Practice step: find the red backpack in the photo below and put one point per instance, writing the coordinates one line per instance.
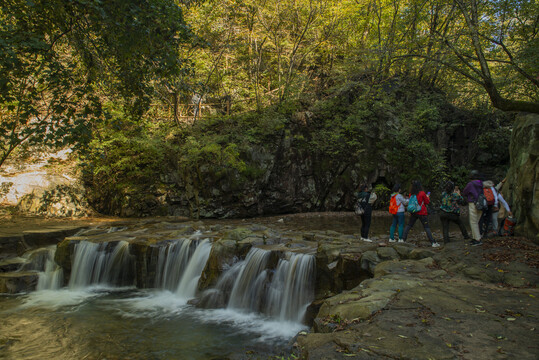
(393, 207)
(508, 226)
(489, 195)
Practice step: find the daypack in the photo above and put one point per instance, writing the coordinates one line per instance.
(359, 208)
(413, 205)
(508, 227)
(393, 207)
(481, 202)
(489, 195)
(361, 204)
(448, 205)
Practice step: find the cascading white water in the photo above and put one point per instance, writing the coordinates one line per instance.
(249, 285)
(292, 288)
(97, 264)
(180, 264)
(52, 278)
(284, 296)
(189, 282)
(171, 263)
(51, 275)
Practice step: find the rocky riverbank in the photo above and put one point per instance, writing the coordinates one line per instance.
(372, 300)
(458, 303)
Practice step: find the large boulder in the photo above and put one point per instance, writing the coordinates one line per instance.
(59, 201)
(223, 255)
(522, 187)
(411, 310)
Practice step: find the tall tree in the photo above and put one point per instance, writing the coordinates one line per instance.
(500, 34)
(491, 44)
(60, 59)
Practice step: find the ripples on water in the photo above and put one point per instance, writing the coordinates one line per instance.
(99, 323)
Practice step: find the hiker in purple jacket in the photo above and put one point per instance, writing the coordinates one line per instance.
(471, 193)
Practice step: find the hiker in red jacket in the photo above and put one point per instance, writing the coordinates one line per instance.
(423, 200)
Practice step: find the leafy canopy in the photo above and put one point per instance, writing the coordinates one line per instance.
(61, 59)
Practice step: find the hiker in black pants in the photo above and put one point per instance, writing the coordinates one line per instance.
(450, 210)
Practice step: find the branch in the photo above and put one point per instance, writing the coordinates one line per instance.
(511, 61)
(446, 64)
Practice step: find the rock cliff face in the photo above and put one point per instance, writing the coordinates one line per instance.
(289, 180)
(45, 185)
(522, 187)
(287, 175)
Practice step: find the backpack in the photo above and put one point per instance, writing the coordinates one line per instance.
(413, 205)
(361, 204)
(508, 228)
(393, 207)
(359, 208)
(447, 203)
(481, 202)
(489, 195)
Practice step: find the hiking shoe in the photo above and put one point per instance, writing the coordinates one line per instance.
(400, 240)
(392, 240)
(476, 243)
(366, 239)
(435, 245)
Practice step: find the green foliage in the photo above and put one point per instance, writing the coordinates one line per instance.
(356, 130)
(217, 158)
(384, 195)
(59, 58)
(123, 162)
(495, 141)
(346, 85)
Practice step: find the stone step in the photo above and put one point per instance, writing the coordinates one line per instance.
(18, 282)
(12, 264)
(16, 242)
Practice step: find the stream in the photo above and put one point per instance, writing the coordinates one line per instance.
(91, 319)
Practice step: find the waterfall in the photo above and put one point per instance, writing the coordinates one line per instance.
(283, 293)
(102, 264)
(180, 264)
(52, 278)
(249, 285)
(171, 263)
(189, 282)
(292, 288)
(51, 275)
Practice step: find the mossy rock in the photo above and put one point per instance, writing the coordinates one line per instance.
(403, 249)
(355, 305)
(238, 234)
(64, 252)
(369, 260)
(223, 254)
(420, 253)
(387, 253)
(404, 267)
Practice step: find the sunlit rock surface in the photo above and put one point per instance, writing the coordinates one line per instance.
(46, 185)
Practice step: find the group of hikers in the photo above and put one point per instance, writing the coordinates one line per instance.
(483, 199)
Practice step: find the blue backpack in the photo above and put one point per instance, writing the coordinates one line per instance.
(413, 205)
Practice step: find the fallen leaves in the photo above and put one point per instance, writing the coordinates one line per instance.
(503, 250)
